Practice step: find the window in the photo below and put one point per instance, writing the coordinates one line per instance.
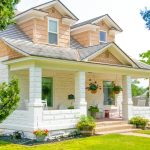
(53, 31)
(109, 96)
(102, 37)
(47, 90)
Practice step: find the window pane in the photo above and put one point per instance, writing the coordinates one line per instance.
(52, 26)
(102, 36)
(52, 38)
(47, 90)
(109, 97)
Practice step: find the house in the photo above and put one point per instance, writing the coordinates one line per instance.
(55, 58)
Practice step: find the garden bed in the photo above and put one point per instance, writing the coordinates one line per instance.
(32, 142)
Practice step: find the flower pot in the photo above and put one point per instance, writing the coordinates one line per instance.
(93, 114)
(116, 92)
(93, 91)
(40, 138)
(87, 132)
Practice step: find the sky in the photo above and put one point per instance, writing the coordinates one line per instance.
(126, 13)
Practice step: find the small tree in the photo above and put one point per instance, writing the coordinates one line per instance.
(7, 14)
(9, 98)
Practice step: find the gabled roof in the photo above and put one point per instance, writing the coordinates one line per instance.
(94, 20)
(56, 3)
(17, 40)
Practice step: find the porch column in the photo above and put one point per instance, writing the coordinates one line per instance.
(35, 96)
(149, 94)
(127, 104)
(80, 93)
(35, 85)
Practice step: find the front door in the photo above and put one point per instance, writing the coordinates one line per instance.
(47, 90)
(109, 97)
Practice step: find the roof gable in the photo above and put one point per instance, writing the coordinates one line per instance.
(108, 58)
(111, 54)
(106, 18)
(54, 3)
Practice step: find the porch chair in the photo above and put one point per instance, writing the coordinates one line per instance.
(44, 102)
(141, 102)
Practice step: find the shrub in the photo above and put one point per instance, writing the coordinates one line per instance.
(86, 123)
(139, 122)
(9, 98)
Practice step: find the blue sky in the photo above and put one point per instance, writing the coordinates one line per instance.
(135, 37)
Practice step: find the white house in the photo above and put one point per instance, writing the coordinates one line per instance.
(53, 58)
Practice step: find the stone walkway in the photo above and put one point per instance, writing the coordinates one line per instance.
(136, 134)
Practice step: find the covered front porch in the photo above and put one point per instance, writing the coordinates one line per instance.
(58, 80)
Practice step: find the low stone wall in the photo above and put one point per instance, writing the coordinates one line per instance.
(141, 111)
(60, 119)
(54, 120)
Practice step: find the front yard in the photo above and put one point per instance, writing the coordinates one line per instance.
(106, 142)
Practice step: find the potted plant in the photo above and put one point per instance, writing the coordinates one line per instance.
(117, 89)
(93, 87)
(139, 122)
(86, 125)
(40, 134)
(93, 110)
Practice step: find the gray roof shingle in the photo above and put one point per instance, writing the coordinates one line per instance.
(17, 39)
(86, 22)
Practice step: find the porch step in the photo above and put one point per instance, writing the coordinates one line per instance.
(116, 126)
(116, 131)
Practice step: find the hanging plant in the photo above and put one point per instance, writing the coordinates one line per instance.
(93, 87)
(117, 89)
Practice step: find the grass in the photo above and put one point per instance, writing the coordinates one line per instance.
(143, 131)
(106, 142)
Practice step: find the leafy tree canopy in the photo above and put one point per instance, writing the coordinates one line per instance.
(7, 12)
(9, 98)
(145, 57)
(136, 90)
(146, 16)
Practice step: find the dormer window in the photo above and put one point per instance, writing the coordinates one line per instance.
(52, 31)
(103, 37)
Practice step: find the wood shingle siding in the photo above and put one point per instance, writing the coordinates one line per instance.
(107, 57)
(7, 51)
(37, 29)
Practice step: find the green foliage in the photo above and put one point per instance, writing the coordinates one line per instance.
(71, 107)
(9, 98)
(145, 57)
(117, 89)
(146, 17)
(93, 109)
(139, 122)
(7, 12)
(86, 123)
(136, 90)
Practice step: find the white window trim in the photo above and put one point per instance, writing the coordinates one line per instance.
(57, 20)
(99, 36)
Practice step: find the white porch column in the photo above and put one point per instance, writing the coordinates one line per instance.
(127, 104)
(35, 85)
(80, 92)
(149, 91)
(35, 96)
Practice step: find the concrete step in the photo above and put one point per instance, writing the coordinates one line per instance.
(115, 131)
(113, 127)
(108, 123)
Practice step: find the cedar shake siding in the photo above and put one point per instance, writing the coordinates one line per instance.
(91, 38)
(37, 29)
(108, 58)
(7, 51)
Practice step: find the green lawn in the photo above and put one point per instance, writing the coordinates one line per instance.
(143, 131)
(106, 142)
